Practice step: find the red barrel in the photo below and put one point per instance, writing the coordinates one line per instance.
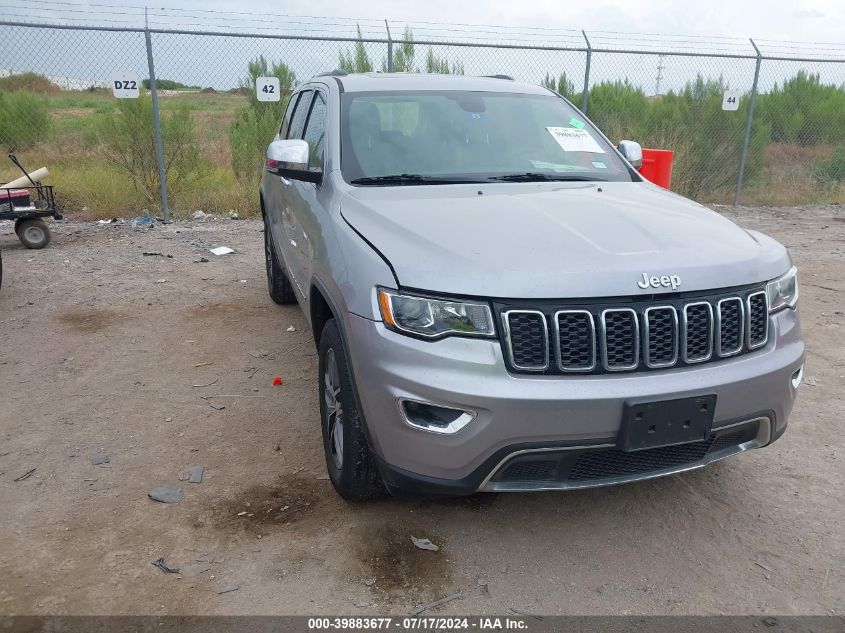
(657, 166)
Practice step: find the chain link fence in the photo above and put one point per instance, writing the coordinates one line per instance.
(200, 125)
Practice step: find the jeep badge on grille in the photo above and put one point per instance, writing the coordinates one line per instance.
(657, 282)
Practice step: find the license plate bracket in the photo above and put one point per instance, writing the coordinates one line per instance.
(665, 423)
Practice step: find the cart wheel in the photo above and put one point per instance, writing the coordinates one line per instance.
(33, 233)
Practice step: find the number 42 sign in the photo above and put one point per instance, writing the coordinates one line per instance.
(267, 88)
(730, 100)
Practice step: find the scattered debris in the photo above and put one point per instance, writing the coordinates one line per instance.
(152, 254)
(166, 494)
(195, 474)
(242, 514)
(761, 565)
(291, 329)
(222, 250)
(277, 447)
(199, 215)
(423, 607)
(810, 380)
(228, 589)
(204, 260)
(208, 384)
(26, 475)
(64, 360)
(233, 215)
(216, 407)
(769, 621)
(277, 381)
(370, 582)
(424, 543)
(99, 460)
(161, 281)
(163, 566)
(203, 364)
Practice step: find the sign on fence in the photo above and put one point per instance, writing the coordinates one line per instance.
(267, 88)
(125, 86)
(730, 100)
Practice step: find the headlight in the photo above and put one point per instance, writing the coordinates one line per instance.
(431, 318)
(783, 291)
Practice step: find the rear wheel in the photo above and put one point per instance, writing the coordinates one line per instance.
(351, 465)
(278, 284)
(33, 233)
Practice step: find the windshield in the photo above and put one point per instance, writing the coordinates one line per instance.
(436, 137)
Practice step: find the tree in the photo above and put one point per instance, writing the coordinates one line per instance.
(357, 60)
(563, 86)
(440, 65)
(403, 54)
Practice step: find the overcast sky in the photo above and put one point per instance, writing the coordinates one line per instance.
(805, 20)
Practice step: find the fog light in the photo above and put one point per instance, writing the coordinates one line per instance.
(797, 377)
(434, 418)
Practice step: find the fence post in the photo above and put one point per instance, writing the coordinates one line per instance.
(748, 121)
(586, 92)
(389, 48)
(162, 177)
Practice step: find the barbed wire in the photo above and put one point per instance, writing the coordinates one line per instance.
(42, 12)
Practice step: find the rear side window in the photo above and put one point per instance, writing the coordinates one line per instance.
(297, 122)
(315, 131)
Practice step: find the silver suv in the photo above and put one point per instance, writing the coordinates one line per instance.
(501, 303)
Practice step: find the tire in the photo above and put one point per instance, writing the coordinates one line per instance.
(278, 284)
(33, 233)
(352, 467)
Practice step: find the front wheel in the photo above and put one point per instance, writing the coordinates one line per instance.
(351, 465)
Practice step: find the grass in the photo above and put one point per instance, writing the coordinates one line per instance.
(88, 187)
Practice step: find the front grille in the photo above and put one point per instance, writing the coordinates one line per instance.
(612, 462)
(639, 334)
(530, 470)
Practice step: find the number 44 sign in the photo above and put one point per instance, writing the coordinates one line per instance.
(125, 86)
(730, 100)
(267, 88)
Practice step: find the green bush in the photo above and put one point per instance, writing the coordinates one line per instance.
(23, 120)
(125, 138)
(804, 111)
(831, 171)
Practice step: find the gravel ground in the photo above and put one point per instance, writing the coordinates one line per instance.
(164, 361)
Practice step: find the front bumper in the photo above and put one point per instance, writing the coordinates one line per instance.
(534, 413)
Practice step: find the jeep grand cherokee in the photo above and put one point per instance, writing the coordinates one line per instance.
(501, 303)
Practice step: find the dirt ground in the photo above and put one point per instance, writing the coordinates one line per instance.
(160, 362)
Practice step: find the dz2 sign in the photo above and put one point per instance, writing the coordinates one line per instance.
(125, 86)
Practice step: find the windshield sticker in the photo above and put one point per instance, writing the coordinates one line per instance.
(476, 116)
(575, 140)
(599, 165)
(576, 123)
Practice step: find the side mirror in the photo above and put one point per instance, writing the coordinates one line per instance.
(289, 158)
(633, 153)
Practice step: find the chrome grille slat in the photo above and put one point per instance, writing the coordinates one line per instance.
(527, 336)
(757, 310)
(575, 340)
(620, 339)
(730, 326)
(660, 336)
(697, 332)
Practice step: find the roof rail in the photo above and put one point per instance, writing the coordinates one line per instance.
(507, 77)
(337, 72)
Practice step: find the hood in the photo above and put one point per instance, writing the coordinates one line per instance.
(556, 240)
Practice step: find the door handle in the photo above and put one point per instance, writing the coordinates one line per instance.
(293, 243)
(285, 181)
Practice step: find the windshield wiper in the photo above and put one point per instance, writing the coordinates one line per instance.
(411, 179)
(533, 176)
